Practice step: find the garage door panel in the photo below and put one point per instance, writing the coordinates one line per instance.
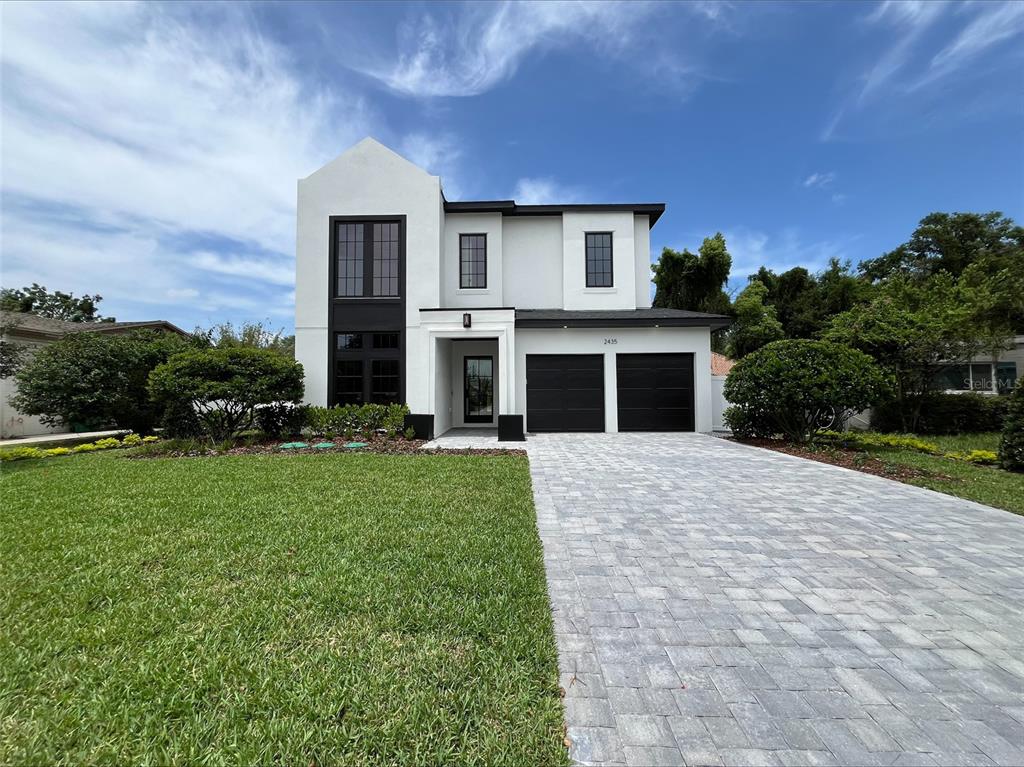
(564, 392)
(655, 392)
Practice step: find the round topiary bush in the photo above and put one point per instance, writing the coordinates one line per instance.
(1011, 446)
(795, 388)
(223, 387)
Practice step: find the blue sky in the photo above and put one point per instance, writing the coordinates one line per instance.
(150, 152)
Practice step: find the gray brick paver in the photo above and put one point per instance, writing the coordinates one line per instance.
(719, 604)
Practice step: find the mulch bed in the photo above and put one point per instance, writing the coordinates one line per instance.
(857, 460)
(375, 444)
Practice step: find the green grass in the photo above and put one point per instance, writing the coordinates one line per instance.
(292, 610)
(984, 484)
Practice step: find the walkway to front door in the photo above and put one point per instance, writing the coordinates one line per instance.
(722, 604)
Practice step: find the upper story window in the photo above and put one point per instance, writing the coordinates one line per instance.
(367, 259)
(472, 260)
(599, 259)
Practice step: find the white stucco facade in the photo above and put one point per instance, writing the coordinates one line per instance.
(536, 261)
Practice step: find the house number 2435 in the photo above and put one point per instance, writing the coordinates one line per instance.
(608, 341)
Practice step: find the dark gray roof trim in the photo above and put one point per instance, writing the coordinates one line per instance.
(618, 318)
(510, 208)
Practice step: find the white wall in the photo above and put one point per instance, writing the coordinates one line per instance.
(472, 223)
(367, 180)
(576, 294)
(532, 262)
(642, 255)
(718, 403)
(442, 385)
(627, 340)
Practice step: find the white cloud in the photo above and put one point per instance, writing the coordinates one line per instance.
(928, 44)
(164, 123)
(545, 191)
(474, 48)
(819, 179)
(438, 154)
(781, 251)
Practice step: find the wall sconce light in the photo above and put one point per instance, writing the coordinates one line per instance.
(467, 320)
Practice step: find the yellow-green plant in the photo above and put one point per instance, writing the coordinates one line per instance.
(987, 457)
(57, 451)
(131, 440)
(20, 453)
(85, 447)
(107, 443)
(151, 438)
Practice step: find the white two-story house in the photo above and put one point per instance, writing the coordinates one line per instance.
(526, 318)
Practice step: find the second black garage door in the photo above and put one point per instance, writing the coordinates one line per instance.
(564, 392)
(655, 392)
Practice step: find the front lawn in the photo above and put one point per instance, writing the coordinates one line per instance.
(292, 610)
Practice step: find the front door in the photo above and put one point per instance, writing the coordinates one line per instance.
(478, 375)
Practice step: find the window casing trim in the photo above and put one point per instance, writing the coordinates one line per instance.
(332, 250)
(611, 260)
(462, 273)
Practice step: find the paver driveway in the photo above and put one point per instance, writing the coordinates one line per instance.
(721, 604)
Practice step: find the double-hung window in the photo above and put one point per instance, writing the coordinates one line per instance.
(367, 259)
(472, 261)
(599, 259)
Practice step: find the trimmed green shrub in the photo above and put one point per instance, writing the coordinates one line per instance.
(794, 388)
(349, 420)
(946, 413)
(223, 387)
(20, 453)
(96, 379)
(1011, 446)
(281, 419)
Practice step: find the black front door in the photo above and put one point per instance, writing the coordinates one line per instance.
(478, 375)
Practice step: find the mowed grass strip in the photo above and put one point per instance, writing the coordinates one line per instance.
(319, 609)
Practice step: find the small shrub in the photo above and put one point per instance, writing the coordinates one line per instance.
(131, 440)
(55, 451)
(150, 439)
(350, 420)
(281, 419)
(107, 443)
(986, 457)
(20, 453)
(1011, 445)
(85, 447)
(792, 387)
(410, 432)
(947, 413)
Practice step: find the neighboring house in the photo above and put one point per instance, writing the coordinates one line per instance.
(524, 317)
(986, 373)
(34, 332)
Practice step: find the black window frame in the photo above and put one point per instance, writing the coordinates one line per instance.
(370, 267)
(587, 258)
(463, 263)
(367, 354)
(466, 416)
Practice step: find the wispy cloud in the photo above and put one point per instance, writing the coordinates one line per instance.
(780, 251)
(472, 48)
(163, 124)
(927, 44)
(545, 191)
(819, 180)
(439, 154)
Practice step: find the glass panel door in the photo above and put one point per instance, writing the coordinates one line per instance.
(478, 375)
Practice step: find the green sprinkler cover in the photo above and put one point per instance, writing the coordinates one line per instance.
(292, 445)
(355, 444)
(323, 445)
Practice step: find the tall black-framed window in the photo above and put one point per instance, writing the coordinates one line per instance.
(367, 367)
(472, 260)
(599, 259)
(367, 259)
(478, 377)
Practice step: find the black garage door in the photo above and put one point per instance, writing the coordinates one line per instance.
(655, 392)
(564, 392)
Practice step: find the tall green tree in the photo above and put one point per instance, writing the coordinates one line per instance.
(756, 323)
(248, 335)
(694, 282)
(55, 305)
(951, 242)
(910, 328)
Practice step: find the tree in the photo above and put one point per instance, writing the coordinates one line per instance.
(951, 242)
(93, 380)
(909, 328)
(252, 335)
(805, 302)
(795, 387)
(694, 282)
(223, 387)
(1011, 445)
(755, 324)
(39, 301)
